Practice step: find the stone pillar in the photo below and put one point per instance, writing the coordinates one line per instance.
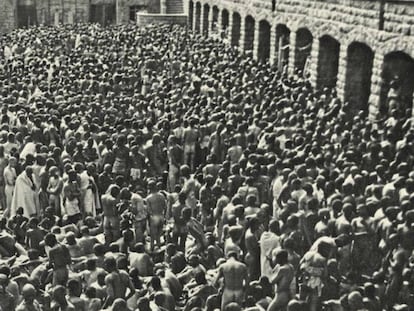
(210, 22)
(118, 11)
(256, 39)
(374, 98)
(193, 26)
(219, 20)
(272, 52)
(57, 18)
(202, 18)
(229, 30)
(292, 52)
(71, 17)
(342, 67)
(122, 12)
(163, 6)
(312, 67)
(242, 32)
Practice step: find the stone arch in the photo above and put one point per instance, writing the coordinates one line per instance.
(361, 35)
(263, 52)
(235, 31)
(206, 13)
(360, 59)
(282, 46)
(323, 29)
(392, 44)
(328, 61)
(249, 33)
(190, 14)
(305, 22)
(397, 69)
(197, 17)
(303, 47)
(215, 21)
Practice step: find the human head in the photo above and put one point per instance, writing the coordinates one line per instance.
(74, 287)
(29, 293)
(50, 240)
(110, 264)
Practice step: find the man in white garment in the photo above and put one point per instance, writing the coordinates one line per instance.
(25, 194)
(268, 242)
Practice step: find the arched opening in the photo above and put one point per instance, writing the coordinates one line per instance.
(226, 32)
(214, 25)
(328, 61)
(26, 13)
(397, 74)
(224, 19)
(360, 58)
(304, 40)
(235, 32)
(197, 17)
(264, 41)
(190, 14)
(205, 19)
(249, 33)
(282, 46)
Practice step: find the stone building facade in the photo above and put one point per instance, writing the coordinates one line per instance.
(357, 46)
(102, 11)
(8, 10)
(22, 13)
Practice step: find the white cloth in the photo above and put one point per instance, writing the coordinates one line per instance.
(29, 148)
(268, 242)
(24, 196)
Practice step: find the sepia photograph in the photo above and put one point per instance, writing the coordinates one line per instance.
(206, 155)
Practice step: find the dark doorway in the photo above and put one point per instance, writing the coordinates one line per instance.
(398, 69)
(235, 32)
(104, 14)
(205, 20)
(303, 48)
(190, 14)
(225, 19)
(264, 41)
(197, 17)
(26, 15)
(360, 58)
(328, 62)
(249, 33)
(214, 25)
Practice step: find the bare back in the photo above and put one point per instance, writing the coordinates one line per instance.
(234, 273)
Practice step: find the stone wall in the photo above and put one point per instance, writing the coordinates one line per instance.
(71, 11)
(7, 15)
(147, 18)
(383, 29)
(123, 8)
(52, 12)
(399, 18)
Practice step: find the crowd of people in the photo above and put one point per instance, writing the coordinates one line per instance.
(151, 168)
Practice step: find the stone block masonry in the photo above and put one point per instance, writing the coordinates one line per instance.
(51, 12)
(148, 18)
(8, 16)
(377, 32)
